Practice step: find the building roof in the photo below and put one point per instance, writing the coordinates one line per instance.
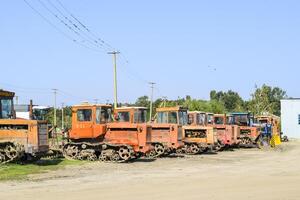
(290, 99)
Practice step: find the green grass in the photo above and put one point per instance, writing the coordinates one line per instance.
(20, 172)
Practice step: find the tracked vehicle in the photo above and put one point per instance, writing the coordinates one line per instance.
(228, 134)
(166, 133)
(20, 139)
(198, 136)
(94, 136)
(130, 133)
(249, 132)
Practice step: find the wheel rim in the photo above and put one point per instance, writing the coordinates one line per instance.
(159, 149)
(194, 148)
(124, 153)
(11, 152)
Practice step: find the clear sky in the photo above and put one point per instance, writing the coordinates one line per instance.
(187, 47)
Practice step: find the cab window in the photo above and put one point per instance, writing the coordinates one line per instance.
(140, 116)
(6, 108)
(201, 119)
(183, 117)
(84, 115)
(162, 117)
(173, 117)
(209, 119)
(219, 120)
(103, 115)
(230, 120)
(123, 116)
(191, 118)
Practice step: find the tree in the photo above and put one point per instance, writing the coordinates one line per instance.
(230, 99)
(266, 100)
(143, 101)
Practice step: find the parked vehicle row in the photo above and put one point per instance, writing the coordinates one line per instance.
(100, 132)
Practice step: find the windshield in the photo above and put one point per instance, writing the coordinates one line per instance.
(123, 116)
(140, 116)
(190, 118)
(219, 120)
(241, 120)
(40, 114)
(230, 120)
(84, 115)
(201, 118)
(167, 117)
(183, 117)
(162, 117)
(103, 115)
(6, 108)
(209, 119)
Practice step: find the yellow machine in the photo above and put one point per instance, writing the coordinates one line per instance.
(271, 121)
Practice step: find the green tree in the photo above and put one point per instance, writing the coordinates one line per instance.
(266, 100)
(143, 101)
(230, 99)
(67, 117)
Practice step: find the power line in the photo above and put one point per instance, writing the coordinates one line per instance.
(85, 27)
(65, 24)
(56, 28)
(92, 40)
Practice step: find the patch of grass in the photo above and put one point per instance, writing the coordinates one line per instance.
(21, 171)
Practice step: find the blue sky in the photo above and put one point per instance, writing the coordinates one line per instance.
(172, 43)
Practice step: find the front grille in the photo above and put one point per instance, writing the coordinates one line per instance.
(195, 134)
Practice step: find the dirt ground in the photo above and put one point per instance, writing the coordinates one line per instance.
(239, 174)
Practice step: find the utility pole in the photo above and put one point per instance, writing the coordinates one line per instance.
(62, 116)
(54, 115)
(151, 102)
(17, 100)
(114, 53)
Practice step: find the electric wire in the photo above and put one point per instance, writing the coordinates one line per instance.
(56, 28)
(76, 26)
(85, 26)
(65, 24)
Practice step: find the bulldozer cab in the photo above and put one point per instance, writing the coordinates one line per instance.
(89, 120)
(131, 114)
(6, 105)
(242, 119)
(172, 115)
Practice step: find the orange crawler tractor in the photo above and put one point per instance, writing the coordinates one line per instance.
(20, 138)
(94, 136)
(166, 135)
(249, 133)
(129, 132)
(227, 133)
(198, 136)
